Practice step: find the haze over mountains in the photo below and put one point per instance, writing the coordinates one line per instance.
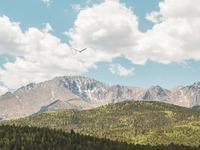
(76, 92)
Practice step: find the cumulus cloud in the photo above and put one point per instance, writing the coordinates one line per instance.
(3, 90)
(39, 55)
(110, 27)
(10, 37)
(121, 70)
(175, 36)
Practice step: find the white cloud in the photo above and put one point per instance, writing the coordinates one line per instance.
(47, 28)
(3, 90)
(11, 37)
(153, 17)
(47, 2)
(39, 55)
(121, 70)
(110, 27)
(176, 35)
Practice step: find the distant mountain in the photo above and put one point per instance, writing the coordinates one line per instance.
(138, 122)
(156, 93)
(75, 92)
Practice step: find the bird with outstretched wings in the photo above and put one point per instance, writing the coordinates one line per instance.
(80, 51)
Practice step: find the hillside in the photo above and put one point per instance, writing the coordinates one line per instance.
(134, 122)
(26, 138)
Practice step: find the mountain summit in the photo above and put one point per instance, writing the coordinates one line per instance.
(76, 92)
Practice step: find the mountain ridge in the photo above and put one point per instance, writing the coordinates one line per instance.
(86, 93)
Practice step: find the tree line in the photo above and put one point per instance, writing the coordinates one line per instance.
(33, 138)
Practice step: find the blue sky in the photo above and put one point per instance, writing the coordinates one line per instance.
(61, 16)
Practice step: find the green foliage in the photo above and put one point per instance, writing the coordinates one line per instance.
(32, 138)
(133, 122)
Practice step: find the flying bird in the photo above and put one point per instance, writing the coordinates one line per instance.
(80, 51)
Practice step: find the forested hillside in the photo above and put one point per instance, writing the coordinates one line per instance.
(133, 122)
(26, 138)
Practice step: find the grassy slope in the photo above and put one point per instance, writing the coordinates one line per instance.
(134, 122)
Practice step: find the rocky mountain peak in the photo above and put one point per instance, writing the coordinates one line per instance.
(86, 88)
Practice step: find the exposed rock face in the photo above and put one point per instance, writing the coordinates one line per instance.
(187, 96)
(76, 92)
(156, 93)
(95, 92)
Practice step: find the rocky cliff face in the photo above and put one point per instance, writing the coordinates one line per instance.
(76, 92)
(189, 95)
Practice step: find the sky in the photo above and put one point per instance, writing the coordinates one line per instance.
(130, 42)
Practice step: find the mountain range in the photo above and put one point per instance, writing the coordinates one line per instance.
(76, 92)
